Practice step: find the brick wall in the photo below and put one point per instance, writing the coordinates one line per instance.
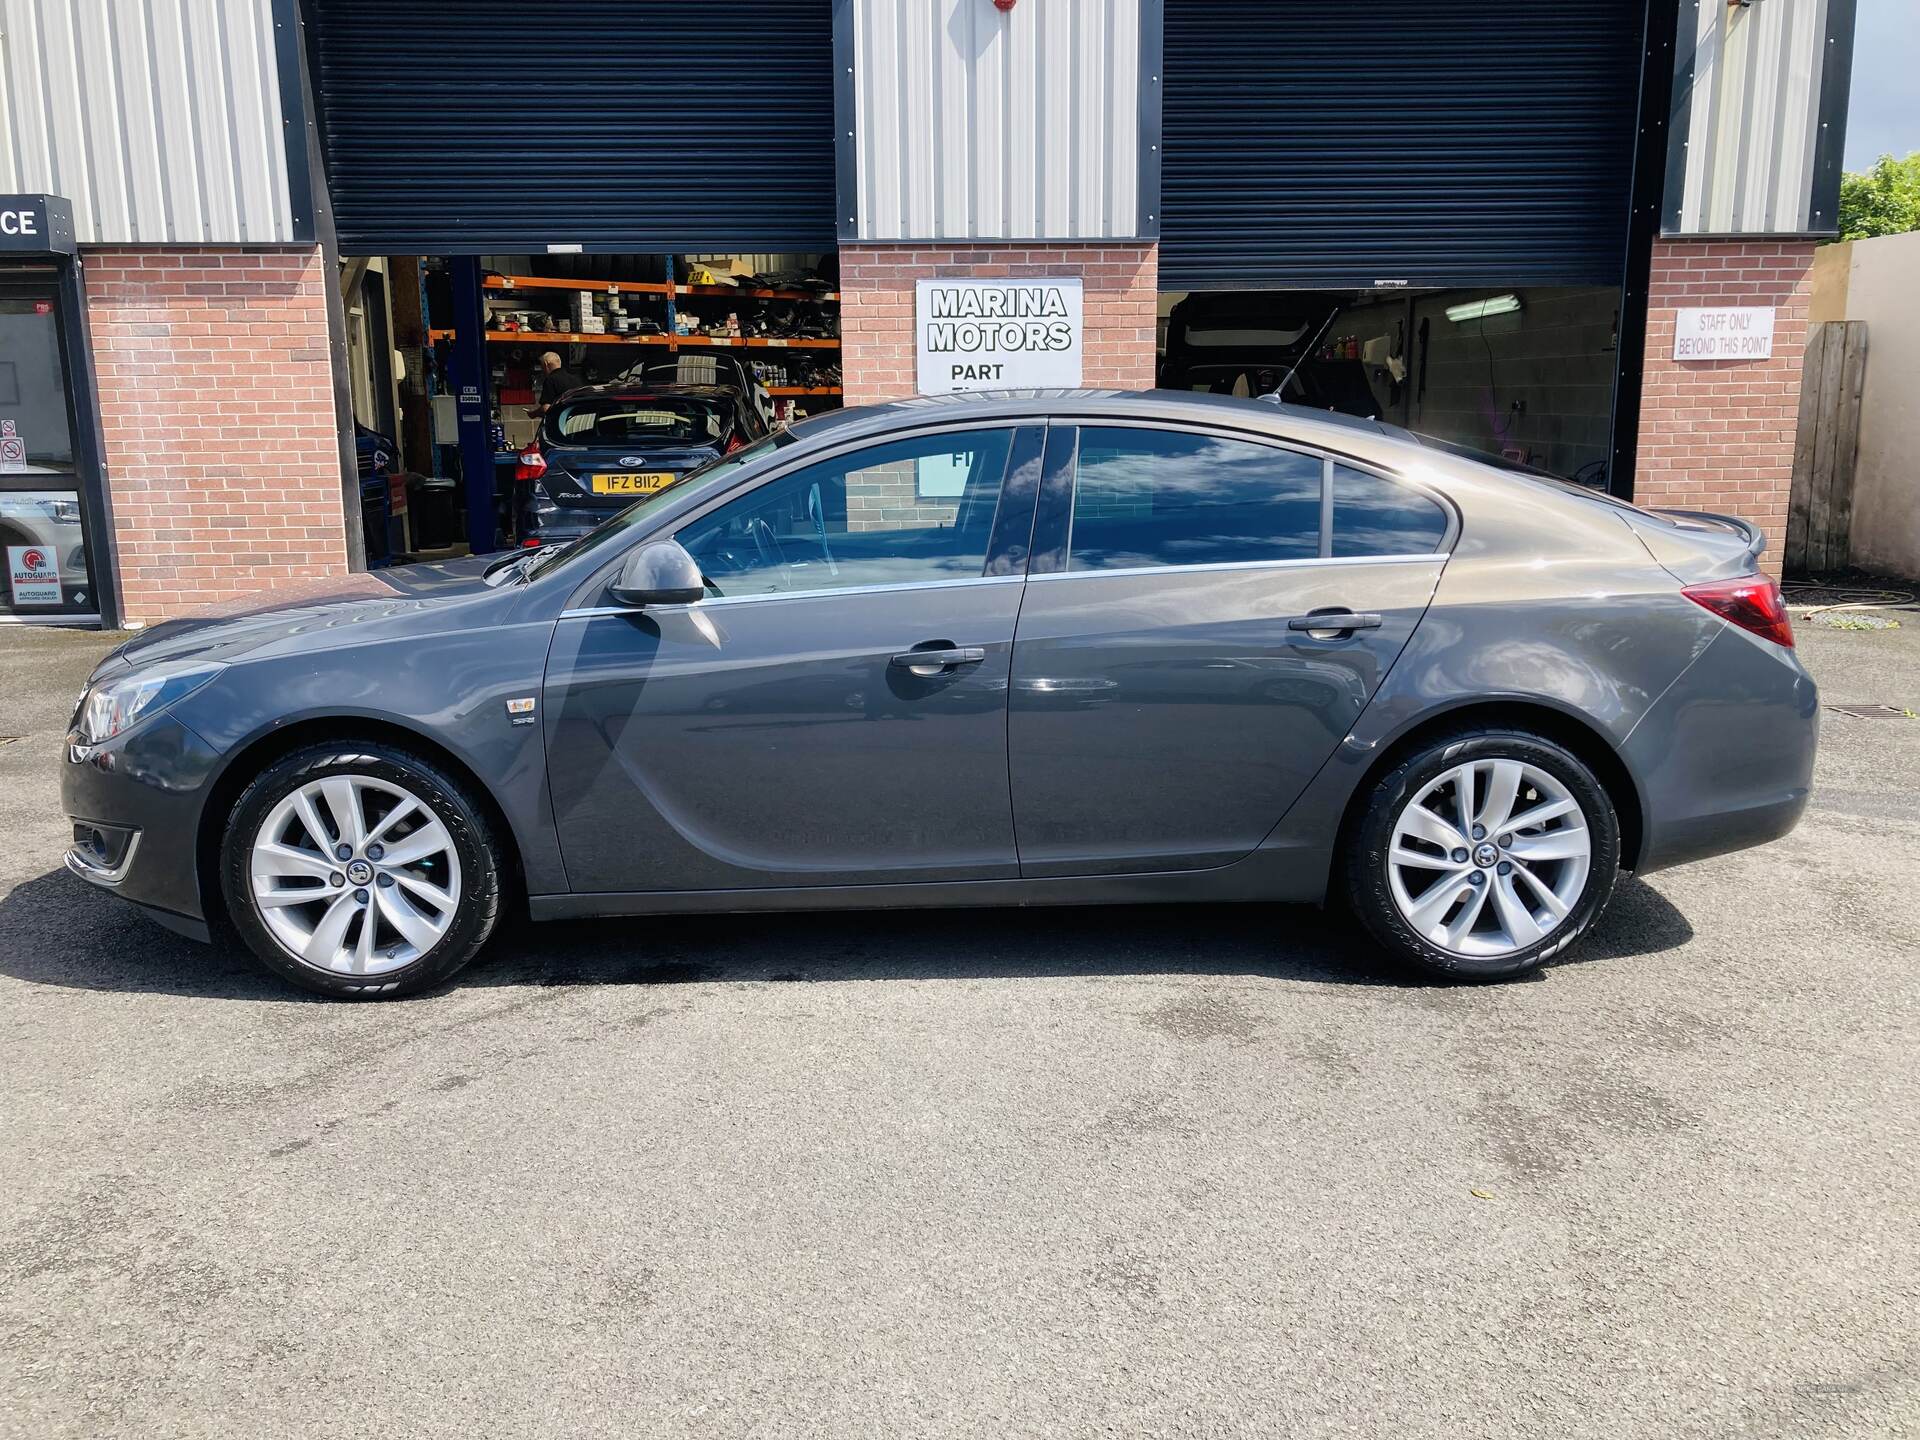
(1718, 435)
(1119, 290)
(887, 497)
(216, 397)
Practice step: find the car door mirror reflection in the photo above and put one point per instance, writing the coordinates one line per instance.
(659, 573)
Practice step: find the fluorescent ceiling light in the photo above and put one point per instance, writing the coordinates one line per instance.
(1480, 309)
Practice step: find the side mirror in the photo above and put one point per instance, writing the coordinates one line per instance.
(659, 573)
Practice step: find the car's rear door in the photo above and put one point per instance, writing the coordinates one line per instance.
(835, 712)
(1206, 615)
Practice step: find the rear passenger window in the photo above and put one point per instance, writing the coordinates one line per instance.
(1161, 497)
(1372, 516)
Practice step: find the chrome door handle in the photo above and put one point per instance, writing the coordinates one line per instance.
(1331, 622)
(933, 661)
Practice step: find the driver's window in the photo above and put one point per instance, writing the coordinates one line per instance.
(900, 514)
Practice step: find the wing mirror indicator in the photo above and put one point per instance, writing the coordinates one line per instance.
(660, 572)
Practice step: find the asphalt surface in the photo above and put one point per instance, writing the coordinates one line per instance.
(1157, 1172)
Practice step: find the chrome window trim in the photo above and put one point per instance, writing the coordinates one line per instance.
(1435, 555)
(711, 601)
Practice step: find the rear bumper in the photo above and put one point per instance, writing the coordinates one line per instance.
(1725, 757)
(558, 523)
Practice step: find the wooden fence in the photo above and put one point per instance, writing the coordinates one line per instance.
(1820, 511)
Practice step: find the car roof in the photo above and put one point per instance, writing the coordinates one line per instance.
(1296, 421)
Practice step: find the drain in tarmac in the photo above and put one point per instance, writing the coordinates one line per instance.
(1872, 712)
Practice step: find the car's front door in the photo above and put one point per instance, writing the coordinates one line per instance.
(834, 712)
(1173, 686)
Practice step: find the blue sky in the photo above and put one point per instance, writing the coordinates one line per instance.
(1883, 114)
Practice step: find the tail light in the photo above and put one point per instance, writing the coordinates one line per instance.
(1753, 602)
(532, 464)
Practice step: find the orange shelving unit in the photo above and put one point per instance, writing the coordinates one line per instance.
(636, 287)
(571, 337)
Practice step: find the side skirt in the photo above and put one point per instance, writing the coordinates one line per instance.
(1265, 875)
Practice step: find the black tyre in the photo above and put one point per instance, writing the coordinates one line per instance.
(360, 870)
(1481, 855)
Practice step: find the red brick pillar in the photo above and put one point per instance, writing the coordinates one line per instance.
(1120, 292)
(216, 399)
(1718, 434)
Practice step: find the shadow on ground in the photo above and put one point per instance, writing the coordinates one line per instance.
(56, 930)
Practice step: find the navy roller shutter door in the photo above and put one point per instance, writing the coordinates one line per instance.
(1324, 143)
(503, 126)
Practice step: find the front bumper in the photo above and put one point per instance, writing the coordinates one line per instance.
(144, 791)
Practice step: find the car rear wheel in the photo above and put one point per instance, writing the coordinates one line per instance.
(1482, 855)
(360, 870)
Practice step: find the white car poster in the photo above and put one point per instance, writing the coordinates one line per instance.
(33, 574)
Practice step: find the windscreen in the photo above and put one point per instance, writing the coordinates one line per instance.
(637, 421)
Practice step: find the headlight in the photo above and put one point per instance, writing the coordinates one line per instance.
(115, 704)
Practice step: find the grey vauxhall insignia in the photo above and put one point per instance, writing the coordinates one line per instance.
(1064, 648)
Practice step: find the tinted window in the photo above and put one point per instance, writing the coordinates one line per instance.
(863, 519)
(1372, 516)
(639, 420)
(1159, 497)
(714, 472)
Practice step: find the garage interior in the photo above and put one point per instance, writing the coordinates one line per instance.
(1524, 374)
(1414, 212)
(633, 188)
(643, 320)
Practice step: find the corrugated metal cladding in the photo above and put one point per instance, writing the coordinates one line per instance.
(1751, 116)
(978, 124)
(1321, 143)
(505, 126)
(160, 121)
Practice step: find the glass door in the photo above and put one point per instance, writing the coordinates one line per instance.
(44, 566)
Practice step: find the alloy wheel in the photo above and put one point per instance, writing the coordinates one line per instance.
(1489, 858)
(354, 875)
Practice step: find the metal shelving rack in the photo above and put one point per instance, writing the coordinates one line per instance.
(669, 290)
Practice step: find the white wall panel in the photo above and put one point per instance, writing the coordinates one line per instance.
(972, 123)
(1752, 116)
(159, 119)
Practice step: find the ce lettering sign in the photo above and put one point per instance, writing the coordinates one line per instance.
(997, 334)
(35, 225)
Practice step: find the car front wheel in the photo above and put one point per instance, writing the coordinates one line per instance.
(360, 870)
(1482, 855)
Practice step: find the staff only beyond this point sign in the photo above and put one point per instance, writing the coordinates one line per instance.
(997, 334)
(1744, 332)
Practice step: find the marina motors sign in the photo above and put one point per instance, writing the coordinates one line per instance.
(998, 334)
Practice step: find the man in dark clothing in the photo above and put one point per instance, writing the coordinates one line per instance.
(555, 381)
